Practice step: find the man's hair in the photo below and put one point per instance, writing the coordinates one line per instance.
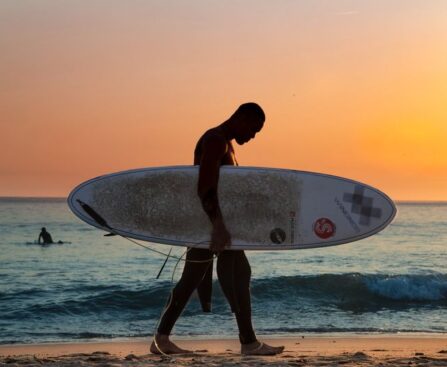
(250, 109)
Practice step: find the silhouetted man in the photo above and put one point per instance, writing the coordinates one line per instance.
(45, 236)
(213, 150)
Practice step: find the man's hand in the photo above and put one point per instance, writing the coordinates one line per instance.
(220, 237)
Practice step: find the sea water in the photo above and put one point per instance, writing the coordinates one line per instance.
(100, 287)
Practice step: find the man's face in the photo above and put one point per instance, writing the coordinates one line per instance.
(248, 128)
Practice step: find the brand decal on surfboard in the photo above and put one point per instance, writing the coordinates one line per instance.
(347, 215)
(277, 235)
(363, 205)
(324, 228)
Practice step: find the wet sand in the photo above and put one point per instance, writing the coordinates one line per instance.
(299, 351)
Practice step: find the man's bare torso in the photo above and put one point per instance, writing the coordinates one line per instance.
(229, 157)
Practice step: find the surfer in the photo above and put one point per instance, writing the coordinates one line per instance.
(46, 238)
(213, 150)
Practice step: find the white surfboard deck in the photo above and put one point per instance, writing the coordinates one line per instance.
(263, 208)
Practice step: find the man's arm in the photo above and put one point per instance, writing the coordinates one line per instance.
(38, 240)
(214, 148)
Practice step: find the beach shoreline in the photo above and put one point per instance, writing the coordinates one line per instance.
(352, 350)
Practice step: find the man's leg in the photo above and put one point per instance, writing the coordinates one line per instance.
(195, 268)
(234, 274)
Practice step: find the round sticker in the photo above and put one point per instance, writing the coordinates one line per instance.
(277, 235)
(324, 228)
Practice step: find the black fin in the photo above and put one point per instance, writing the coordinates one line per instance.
(95, 216)
(205, 289)
(163, 266)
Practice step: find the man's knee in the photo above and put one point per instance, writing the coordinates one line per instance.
(243, 268)
(225, 264)
(246, 272)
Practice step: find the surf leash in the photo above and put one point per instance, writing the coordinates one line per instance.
(103, 223)
(165, 355)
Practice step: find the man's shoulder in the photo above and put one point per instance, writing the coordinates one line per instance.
(213, 141)
(214, 136)
(214, 133)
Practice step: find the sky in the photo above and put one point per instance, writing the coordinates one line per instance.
(356, 89)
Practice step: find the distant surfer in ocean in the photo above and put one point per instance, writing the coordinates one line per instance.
(213, 150)
(46, 238)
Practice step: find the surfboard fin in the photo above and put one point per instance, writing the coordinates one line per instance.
(109, 234)
(205, 289)
(163, 266)
(93, 214)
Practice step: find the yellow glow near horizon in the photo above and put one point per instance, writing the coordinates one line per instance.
(414, 149)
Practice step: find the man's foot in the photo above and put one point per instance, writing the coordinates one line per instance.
(165, 346)
(260, 349)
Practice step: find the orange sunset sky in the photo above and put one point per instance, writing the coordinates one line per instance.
(352, 88)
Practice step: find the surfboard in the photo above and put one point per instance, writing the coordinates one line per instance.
(263, 208)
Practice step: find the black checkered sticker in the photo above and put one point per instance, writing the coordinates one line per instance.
(362, 205)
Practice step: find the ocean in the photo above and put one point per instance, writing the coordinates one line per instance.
(98, 287)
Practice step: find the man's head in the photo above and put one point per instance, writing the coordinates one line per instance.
(43, 229)
(248, 120)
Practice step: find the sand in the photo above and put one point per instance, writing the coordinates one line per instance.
(302, 351)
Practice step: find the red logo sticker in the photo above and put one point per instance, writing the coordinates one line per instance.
(324, 228)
